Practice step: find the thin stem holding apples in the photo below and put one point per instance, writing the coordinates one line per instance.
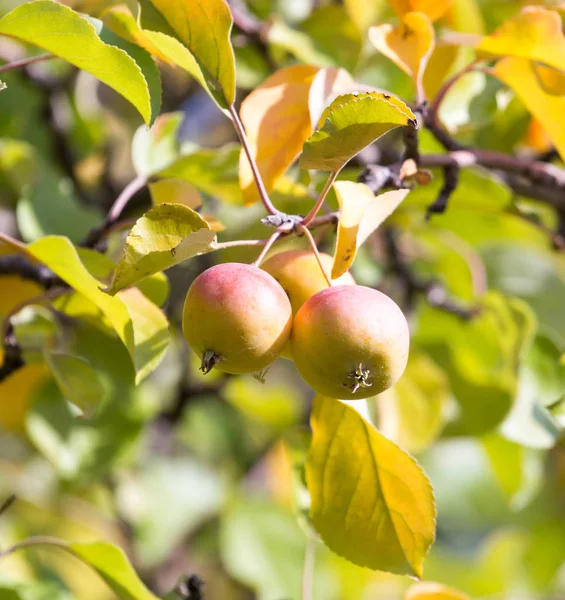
(307, 233)
(254, 168)
(268, 245)
(308, 218)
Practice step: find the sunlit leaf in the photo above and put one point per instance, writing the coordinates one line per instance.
(61, 257)
(413, 412)
(361, 213)
(430, 590)
(277, 121)
(175, 191)
(150, 331)
(204, 28)
(58, 29)
(77, 380)
(551, 80)
(371, 502)
(434, 9)
(351, 123)
(156, 148)
(409, 45)
(442, 60)
(164, 236)
(364, 13)
(120, 20)
(518, 74)
(327, 84)
(113, 566)
(535, 33)
(211, 171)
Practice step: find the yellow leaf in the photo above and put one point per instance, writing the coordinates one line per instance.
(364, 13)
(204, 28)
(277, 122)
(535, 33)
(327, 84)
(360, 214)
(175, 191)
(433, 8)
(14, 290)
(551, 80)
(429, 590)
(409, 45)
(518, 74)
(120, 21)
(16, 392)
(370, 501)
(439, 66)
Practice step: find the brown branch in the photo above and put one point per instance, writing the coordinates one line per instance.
(16, 264)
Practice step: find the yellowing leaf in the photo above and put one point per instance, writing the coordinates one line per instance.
(204, 28)
(412, 412)
(77, 381)
(517, 73)
(14, 290)
(175, 191)
(430, 590)
(150, 331)
(277, 121)
(58, 29)
(349, 124)
(113, 566)
(164, 236)
(433, 8)
(119, 20)
(551, 80)
(327, 84)
(535, 33)
(371, 502)
(59, 254)
(360, 214)
(439, 66)
(409, 45)
(18, 387)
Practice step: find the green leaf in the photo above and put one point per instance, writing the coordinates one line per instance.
(371, 502)
(349, 124)
(202, 27)
(213, 172)
(59, 254)
(50, 206)
(270, 560)
(150, 331)
(77, 380)
(164, 236)
(156, 148)
(58, 29)
(412, 412)
(481, 358)
(112, 565)
(144, 61)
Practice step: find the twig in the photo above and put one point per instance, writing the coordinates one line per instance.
(25, 62)
(16, 264)
(115, 212)
(536, 179)
(318, 204)
(40, 540)
(254, 168)
(308, 571)
(234, 243)
(7, 503)
(450, 182)
(410, 139)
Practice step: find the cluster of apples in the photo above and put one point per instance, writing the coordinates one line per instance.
(348, 341)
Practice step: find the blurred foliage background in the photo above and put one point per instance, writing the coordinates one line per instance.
(204, 475)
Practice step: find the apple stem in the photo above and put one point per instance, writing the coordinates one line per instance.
(257, 262)
(307, 233)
